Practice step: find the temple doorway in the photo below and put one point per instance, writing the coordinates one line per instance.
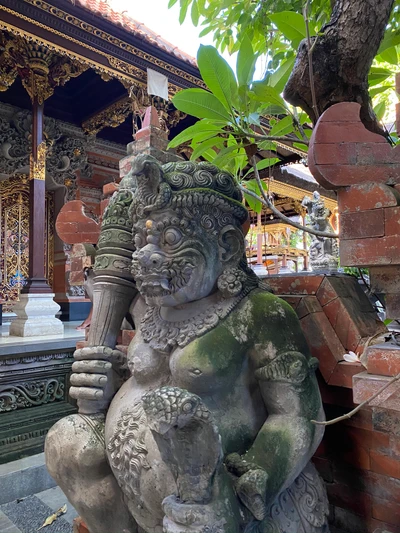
(14, 238)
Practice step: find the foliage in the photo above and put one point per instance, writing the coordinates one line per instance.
(231, 126)
(240, 116)
(275, 29)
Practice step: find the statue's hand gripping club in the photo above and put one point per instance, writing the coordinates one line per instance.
(98, 372)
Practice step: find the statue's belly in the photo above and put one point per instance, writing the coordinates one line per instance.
(135, 459)
(227, 386)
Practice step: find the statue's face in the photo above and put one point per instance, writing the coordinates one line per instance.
(176, 261)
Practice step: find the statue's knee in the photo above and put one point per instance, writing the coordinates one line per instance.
(73, 444)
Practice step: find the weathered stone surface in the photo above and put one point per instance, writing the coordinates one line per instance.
(188, 401)
(371, 252)
(367, 196)
(366, 153)
(383, 359)
(365, 385)
(323, 341)
(363, 225)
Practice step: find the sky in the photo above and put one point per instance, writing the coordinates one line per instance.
(156, 16)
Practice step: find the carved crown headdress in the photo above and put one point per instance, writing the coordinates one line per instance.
(184, 185)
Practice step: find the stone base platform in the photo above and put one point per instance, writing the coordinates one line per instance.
(36, 315)
(34, 383)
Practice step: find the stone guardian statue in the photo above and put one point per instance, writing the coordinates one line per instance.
(324, 252)
(206, 426)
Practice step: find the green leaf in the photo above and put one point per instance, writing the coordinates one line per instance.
(378, 75)
(252, 185)
(217, 75)
(246, 62)
(380, 110)
(279, 78)
(389, 56)
(266, 145)
(283, 127)
(183, 11)
(265, 163)
(171, 3)
(388, 321)
(301, 146)
(201, 104)
(210, 155)
(206, 31)
(292, 25)
(224, 153)
(267, 94)
(202, 147)
(195, 13)
(378, 90)
(200, 127)
(391, 39)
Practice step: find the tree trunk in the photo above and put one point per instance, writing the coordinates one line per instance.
(342, 57)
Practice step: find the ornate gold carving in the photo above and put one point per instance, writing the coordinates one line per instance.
(14, 238)
(89, 28)
(38, 165)
(98, 67)
(112, 116)
(8, 70)
(136, 103)
(40, 69)
(124, 68)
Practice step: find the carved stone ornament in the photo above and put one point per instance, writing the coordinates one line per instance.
(324, 252)
(40, 69)
(31, 393)
(188, 444)
(60, 156)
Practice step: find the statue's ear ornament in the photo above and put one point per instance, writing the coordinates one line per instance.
(231, 282)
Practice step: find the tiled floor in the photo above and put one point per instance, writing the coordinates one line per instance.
(28, 514)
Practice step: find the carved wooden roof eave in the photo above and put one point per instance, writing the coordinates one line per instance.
(99, 146)
(79, 35)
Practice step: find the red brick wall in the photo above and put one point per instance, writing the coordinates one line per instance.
(359, 458)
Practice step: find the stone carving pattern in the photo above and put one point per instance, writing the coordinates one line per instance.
(65, 155)
(29, 359)
(31, 393)
(324, 252)
(173, 450)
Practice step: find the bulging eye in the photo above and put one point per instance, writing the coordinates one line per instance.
(172, 236)
(140, 241)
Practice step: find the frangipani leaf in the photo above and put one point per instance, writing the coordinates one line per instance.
(246, 61)
(201, 127)
(283, 127)
(292, 25)
(217, 75)
(201, 104)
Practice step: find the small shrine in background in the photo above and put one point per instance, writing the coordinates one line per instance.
(272, 246)
(277, 247)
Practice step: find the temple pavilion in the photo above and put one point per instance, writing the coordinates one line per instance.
(73, 90)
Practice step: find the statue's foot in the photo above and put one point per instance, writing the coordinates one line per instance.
(188, 518)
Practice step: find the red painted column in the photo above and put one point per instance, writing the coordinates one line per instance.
(37, 282)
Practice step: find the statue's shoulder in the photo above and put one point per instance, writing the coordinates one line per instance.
(269, 310)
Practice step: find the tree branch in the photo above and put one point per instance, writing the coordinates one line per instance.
(267, 202)
(354, 411)
(341, 60)
(310, 60)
